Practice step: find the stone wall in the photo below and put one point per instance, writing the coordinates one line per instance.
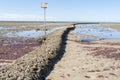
(38, 63)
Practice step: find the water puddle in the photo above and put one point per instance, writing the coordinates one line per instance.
(96, 32)
(87, 40)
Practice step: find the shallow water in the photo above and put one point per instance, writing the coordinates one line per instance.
(14, 37)
(97, 31)
(31, 33)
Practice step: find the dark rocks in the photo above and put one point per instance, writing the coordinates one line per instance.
(87, 77)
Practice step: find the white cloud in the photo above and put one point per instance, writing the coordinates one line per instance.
(21, 17)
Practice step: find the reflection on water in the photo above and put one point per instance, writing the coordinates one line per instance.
(97, 31)
(31, 33)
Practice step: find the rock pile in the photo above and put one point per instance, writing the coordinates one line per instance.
(36, 64)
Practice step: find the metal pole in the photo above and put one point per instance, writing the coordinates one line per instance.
(45, 21)
(44, 5)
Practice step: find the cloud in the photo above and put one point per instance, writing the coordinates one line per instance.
(22, 17)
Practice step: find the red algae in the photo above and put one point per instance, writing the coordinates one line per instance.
(12, 51)
(108, 52)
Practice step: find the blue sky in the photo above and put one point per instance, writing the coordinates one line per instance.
(61, 10)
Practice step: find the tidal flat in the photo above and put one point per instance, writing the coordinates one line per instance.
(20, 38)
(90, 56)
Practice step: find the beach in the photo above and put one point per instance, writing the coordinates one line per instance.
(59, 40)
(65, 54)
(88, 61)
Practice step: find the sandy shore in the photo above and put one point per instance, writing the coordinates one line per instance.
(88, 61)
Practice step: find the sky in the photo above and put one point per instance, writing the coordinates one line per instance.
(61, 10)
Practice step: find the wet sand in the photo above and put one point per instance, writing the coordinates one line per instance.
(114, 26)
(88, 61)
(32, 25)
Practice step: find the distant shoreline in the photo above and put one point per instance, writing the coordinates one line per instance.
(80, 22)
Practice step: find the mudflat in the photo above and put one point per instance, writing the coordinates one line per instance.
(13, 46)
(88, 61)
